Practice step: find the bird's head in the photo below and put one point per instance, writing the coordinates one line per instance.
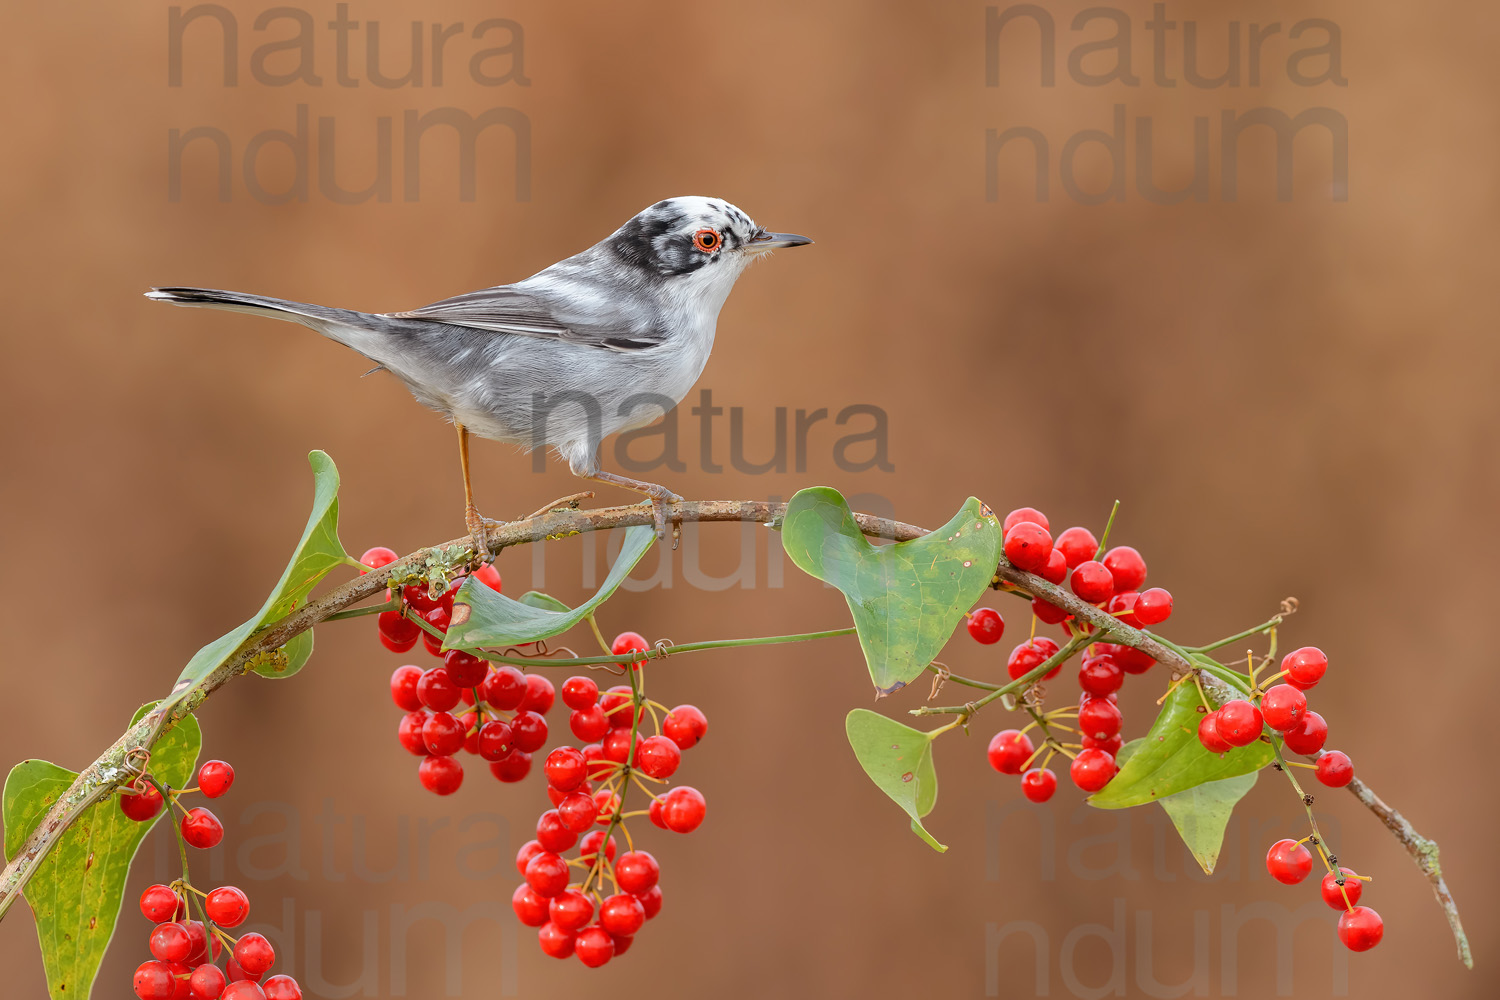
(706, 237)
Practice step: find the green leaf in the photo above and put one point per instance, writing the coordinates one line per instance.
(906, 598)
(899, 760)
(77, 890)
(316, 554)
(1170, 759)
(1202, 812)
(482, 617)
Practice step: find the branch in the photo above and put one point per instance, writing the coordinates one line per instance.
(106, 773)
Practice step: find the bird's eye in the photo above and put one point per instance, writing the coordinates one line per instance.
(707, 240)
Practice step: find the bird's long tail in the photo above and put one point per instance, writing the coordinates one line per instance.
(336, 324)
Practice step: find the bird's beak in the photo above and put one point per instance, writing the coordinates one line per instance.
(775, 241)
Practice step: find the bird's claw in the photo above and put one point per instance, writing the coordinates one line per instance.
(660, 515)
(477, 524)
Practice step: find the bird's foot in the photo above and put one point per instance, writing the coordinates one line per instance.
(660, 499)
(477, 524)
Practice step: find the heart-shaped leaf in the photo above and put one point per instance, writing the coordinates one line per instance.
(481, 617)
(899, 760)
(906, 598)
(1169, 758)
(318, 552)
(1202, 812)
(77, 889)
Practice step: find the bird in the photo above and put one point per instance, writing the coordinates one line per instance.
(601, 342)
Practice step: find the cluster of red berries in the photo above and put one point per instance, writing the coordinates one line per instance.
(503, 719)
(1282, 708)
(184, 952)
(1111, 580)
(1360, 928)
(575, 916)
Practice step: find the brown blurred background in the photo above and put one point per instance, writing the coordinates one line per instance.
(1289, 397)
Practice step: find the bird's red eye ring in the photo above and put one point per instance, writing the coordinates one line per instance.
(707, 240)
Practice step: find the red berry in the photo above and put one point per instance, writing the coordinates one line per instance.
(622, 914)
(465, 669)
(570, 910)
(243, 989)
(419, 597)
(504, 689)
(531, 909)
(651, 900)
(214, 778)
(515, 766)
(495, 741)
(159, 903)
(1032, 654)
(154, 981)
(529, 731)
(1126, 566)
(1110, 745)
(1008, 750)
(616, 746)
(443, 734)
(658, 756)
(254, 954)
(1056, 570)
(552, 834)
(578, 810)
(1288, 862)
(1028, 546)
(1099, 717)
(1307, 736)
(636, 872)
(169, 942)
(579, 693)
(685, 725)
(201, 828)
(589, 724)
(1361, 929)
(236, 975)
(1038, 784)
(1335, 769)
(398, 632)
(1020, 514)
(409, 733)
(282, 988)
(404, 687)
(986, 625)
(441, 775)
(1092, 582)
(1240, 723)
(616, 702)
(1047, 612)
(555, 942)
(1283, 707)
(1153, 606)
(539, 695)
(1078, 546)
(377, 557)
(140, 805)
(565, 769)
(683, 809)
(547, 874)
(594, 946)
(1304, 667)
(1334, 897)
(1130, 659)
(607, 803)
(1100, 675)
(227, 906)
(528, 850)
(1092, 769)
(489, 576)
(630, 642)
(1122, 607)
(588, 849)
(207, 982)
(1208, 734)
(437, 690)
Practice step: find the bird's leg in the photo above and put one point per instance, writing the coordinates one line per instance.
(660, 498)
(473, 520)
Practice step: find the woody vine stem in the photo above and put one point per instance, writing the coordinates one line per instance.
(114, 766)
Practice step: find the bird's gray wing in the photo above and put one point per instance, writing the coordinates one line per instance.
(508, 309)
